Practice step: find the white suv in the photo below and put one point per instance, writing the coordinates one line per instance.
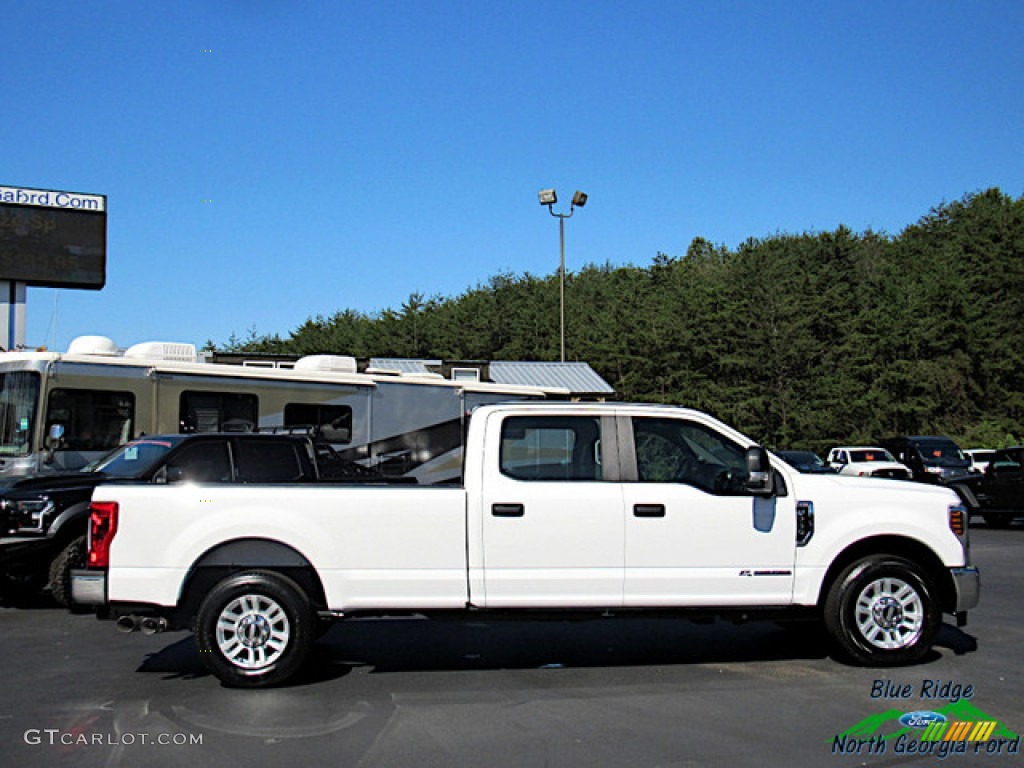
(867, 461)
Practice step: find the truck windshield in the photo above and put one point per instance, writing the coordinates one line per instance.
(871, 454)
(19, 394)
(135, 458)
(941, 453)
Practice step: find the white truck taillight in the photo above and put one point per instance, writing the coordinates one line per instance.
(102, 527)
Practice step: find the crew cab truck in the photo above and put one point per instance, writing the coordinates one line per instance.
(575, 507)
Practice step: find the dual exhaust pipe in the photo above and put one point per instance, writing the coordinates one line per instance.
(148, 625)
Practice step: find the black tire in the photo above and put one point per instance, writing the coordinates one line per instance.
(72, 556)
(882, 612)
(254, 629)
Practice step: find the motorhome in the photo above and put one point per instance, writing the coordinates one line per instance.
(61, 411)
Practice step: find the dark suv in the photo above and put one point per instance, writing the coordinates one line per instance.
(931, 459)
(43, 519)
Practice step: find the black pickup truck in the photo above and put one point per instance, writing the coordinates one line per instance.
(1001, 491)
(43, 520)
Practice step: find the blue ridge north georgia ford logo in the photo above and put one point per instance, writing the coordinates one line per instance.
(921, 719)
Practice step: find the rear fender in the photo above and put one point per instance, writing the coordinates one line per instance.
(243, 555)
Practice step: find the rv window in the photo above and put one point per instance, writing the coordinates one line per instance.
(334, 421)
(217, 411)
(93, 419)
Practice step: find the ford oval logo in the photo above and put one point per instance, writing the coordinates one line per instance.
(921, 719)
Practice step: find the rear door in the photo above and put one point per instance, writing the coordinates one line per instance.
(552, 515)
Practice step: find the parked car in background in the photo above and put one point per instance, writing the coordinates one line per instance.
(979, 458)
(43, 519)
(931, 459)
(867, 461)
(807, 462)
(1000, 493)
(1016, 453)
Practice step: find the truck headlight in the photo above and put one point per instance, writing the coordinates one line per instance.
(29, 515)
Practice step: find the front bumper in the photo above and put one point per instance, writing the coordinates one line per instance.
(26, 549)
(966, 588)
(88, 587)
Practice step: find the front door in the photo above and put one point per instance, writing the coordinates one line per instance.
(694, 535)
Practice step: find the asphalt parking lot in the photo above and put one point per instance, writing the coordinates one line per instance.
(626, 692)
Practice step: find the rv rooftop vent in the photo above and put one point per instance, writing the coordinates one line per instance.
(332, 363)
(167, 351)
(92, 345)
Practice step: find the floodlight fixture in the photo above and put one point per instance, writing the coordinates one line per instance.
(549, 198)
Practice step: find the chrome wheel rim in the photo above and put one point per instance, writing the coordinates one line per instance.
(253, 632)
(889, 614)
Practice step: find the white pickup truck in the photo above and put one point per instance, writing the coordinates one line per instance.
(576, 507)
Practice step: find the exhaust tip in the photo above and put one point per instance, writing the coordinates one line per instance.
(153, 626)
(127, 624)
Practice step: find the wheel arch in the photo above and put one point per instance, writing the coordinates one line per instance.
(247, 554)
(899, 546)
(71, 522)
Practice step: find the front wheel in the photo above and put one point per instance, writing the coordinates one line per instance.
(71, 556)
(255, 629)
(882, 611)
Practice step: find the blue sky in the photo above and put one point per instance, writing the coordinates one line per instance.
(267, 162)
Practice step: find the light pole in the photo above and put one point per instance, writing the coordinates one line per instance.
(549, 198)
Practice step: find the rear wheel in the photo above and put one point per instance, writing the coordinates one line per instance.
(882, 611)
(254, 629)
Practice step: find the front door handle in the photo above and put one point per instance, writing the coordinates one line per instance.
(648, 510)
(508, 510)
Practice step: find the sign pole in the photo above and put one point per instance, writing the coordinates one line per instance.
(12, 314)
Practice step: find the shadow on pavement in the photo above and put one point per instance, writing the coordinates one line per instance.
(470, 644)
(420, 645)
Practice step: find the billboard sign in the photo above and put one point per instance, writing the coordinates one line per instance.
(52, 238)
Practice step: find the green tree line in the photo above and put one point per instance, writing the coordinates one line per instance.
(802, 340)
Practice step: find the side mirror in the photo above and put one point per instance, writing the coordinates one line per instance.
(760, 477)
(53, 442)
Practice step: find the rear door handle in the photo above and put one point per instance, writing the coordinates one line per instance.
(508, 510)
(648, 510)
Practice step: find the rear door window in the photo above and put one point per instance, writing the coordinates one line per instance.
(268, 461)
